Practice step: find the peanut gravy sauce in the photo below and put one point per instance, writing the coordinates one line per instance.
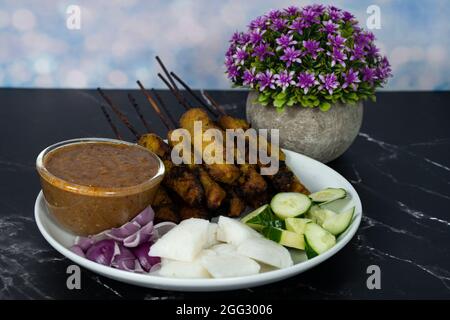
(94, 185)
(104, 165)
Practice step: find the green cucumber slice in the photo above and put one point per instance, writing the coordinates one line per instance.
(284, 237)
(296, 225)
(262, 217)
(290, 204)
(327, 195)
(337, 206)
(317, 240)
(338, 223)
(319, 215)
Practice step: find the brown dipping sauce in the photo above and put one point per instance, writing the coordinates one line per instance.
(104, 165)
(91, 185)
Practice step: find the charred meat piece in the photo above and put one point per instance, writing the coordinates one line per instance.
(166, 213)
(185, 184)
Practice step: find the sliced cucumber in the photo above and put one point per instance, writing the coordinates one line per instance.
(296, 225)
(336, 205)
(284, 237)
(317, 240)
(338, 223)
(319, 215)
(262, 217)
(328, 194)
(290, 204)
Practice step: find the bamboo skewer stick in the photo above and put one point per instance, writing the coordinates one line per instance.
(163, 67)
(111, 124)
(121, 116)
(163, 106)
(175, 93)
(214, 104)
(194, 95)
(155, 106)
(138, 111)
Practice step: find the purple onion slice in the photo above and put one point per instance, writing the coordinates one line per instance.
(141, 253)
(103, 252)
(142, 235)
(144, 217)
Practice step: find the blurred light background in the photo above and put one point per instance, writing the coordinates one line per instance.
(118, 40)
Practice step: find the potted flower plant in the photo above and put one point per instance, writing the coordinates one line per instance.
(309, 70)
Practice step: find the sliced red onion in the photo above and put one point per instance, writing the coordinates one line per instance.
(161, 229)
(142, 235)
(125, 260)
(155, 268)
(103, 252)
(124, 231)
(141, 253)
(144, 217)
(77, 250)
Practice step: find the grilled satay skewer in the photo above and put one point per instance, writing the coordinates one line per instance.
(284, 179)
(177, 178)
(213, 191)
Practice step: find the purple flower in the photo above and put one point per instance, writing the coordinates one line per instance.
(258, 23)
(329, 27)
(256, 36)
(358, 53)
(292, 10)
(298, 25)
(235, 37)
(336, 41)
(364, 38)
(229, 61)
(278, 24)
(291, 55)
(368, 74)
(383, 71)
(347, 16)
(244, 38)
(351, 79)
(285, 41)
(284, 79)
(240, 55)
(233, 72)
(311, 15)
(265, 79)
(249, 77)
(262, 51)
(273, 14)
(372, 51)
(337, 56)
(335, 13)
(306, 81)
(329, 82)
(318, 8)
(312, 47)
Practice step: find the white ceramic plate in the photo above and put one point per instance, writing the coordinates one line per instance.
(313, 174)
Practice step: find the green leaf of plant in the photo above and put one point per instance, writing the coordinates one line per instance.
(325, 106)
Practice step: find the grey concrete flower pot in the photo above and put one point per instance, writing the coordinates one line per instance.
(323, 136)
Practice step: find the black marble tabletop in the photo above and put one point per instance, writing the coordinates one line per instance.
(399, 165)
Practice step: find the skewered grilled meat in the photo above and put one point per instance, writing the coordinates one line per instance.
(284, 179)
(177, 178)
(166, 213)
(249, 179)
(161, 198)
(214, 193)
(236, 205)
(222, 172)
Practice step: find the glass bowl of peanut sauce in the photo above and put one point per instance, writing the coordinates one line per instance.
(94, 184)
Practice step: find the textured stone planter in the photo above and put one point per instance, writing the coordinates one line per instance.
(323, 136)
